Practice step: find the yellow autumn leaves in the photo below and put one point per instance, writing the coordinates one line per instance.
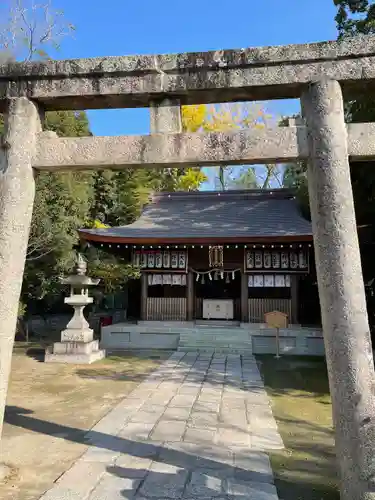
(215, 118)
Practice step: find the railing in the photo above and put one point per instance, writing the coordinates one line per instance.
(166, 309)
(259, 307)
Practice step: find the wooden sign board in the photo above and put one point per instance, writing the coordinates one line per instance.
(276, 319)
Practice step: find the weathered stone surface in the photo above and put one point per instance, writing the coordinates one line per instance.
(74, 347)
(252, 466)
(182, 401)
(176, 413)
(159, 398)
(107, 452)
(112, 487)
(145, 457)
(137, 430)
(268, 439)
(251, 490)
(206, 406)
(164, 480)
(277, 145)
(17, 189)
(199, 435)
(281, 144)
(70, 356)
(165, 116)
(210, 456)
(147, 417)
(169, 431)
(203, 77)
(180, 454)
(341, 290)
(232, 436)
(70, 335)
(131, 466)
(153, 408)
(204, 484)
(77, 482)
(202, 419)
(144, 450)
(259, 419)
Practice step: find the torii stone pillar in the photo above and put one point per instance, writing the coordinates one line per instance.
(17, 190)
(341, 289)
(165, 117)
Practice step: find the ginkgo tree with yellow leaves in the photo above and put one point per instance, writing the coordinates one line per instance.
(225, 117)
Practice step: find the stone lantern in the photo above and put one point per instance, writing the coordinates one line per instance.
(77, 340)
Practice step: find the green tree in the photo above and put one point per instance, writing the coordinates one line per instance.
(355, 17)
(62, 204)
(29, 31)
(134, 187)
(103, 203)
(68, 123)
(246, 178)
(19, 36)
(295, 177)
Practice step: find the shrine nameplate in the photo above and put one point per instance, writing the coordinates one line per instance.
(276, 319)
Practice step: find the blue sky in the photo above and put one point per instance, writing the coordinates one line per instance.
(121, 27)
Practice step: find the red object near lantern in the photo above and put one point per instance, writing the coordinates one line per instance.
(106, 320)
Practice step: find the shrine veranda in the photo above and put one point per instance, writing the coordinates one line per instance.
(217, 259)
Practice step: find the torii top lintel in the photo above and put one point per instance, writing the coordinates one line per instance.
(202, 77)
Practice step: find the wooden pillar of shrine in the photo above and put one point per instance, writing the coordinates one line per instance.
(244, 298)
(144, 295)
(294, 286)
(190, 296)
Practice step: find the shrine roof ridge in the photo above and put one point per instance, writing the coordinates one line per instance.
(197, 77)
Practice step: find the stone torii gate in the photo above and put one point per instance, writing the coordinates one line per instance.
(316, 73)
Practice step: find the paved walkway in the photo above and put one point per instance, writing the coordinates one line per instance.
(197, 428)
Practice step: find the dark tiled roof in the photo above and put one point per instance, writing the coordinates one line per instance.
(231, 214)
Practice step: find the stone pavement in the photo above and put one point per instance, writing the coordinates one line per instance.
(196, 428)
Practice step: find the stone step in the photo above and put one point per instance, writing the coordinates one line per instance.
(210, 333)
(207, 338)
(224, 340)
(220, 350)
(223, 344)
(215, 339)
(214, 336)
(216, 323)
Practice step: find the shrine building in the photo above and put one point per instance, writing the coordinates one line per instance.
(216, 259)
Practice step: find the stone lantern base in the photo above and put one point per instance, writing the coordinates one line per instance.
(75, 347)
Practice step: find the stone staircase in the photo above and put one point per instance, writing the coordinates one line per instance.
(218, 338)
